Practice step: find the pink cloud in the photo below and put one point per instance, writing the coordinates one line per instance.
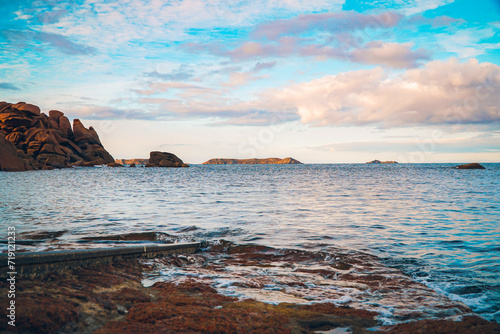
(332, 22)
(393, 55)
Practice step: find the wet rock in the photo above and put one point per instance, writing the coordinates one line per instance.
(114, 164)
(474, 165)
(132, 165)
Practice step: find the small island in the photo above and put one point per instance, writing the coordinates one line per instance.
(381, 162)
(267, 161)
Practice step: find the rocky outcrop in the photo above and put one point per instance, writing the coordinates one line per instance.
(474, 165)
(164, 159)
(135, 162)
(268, 161)
(9, 158)
(45, 142)
(381, 162)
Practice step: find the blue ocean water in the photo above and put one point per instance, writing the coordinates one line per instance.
(437, 224)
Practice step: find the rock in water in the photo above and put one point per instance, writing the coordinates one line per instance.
(474, 165)
(9, 158)
(267, 161)
(164, 159)
(47, 141)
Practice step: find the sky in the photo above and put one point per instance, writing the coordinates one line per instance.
(329, 81)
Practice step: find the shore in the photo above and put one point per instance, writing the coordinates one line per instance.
(230, 288)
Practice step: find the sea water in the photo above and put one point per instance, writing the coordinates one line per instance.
(438, 224)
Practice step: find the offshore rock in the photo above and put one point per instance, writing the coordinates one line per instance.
(271, 161)
(381, 162)
(135, 162)
(474, 165)
(164, 159)
(42, 141)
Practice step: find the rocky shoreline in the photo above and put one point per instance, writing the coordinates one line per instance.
(113, 298)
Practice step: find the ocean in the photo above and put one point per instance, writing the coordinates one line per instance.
(438, 225)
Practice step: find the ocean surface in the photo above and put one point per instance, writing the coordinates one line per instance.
(439, 225)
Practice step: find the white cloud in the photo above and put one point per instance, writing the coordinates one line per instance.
(440, 93)
(467, 43)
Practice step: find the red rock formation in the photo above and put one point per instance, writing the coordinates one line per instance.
(49, 141)
(9, 158)
(272, 161)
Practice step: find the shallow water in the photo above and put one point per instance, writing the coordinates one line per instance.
(439, 225)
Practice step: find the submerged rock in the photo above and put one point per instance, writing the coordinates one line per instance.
(474, 165)
(49, 141)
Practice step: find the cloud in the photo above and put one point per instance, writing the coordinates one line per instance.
(467, 43)
(52, 16)
(438, 21)
(346, 36)
(180, 74)
(476, 144)
(443, 92)
(264, 66)
(329, 22)
(58, 41)
(390, 54)
(8, 86)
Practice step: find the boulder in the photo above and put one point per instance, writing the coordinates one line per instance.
(9, 158)
(35, 110)
(65, 127)
(84, 135)
(114, 164)
(56, 161)
(164, 159)
(132, 165)
(474, 165)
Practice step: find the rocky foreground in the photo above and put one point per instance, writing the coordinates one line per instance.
(112, 299)
(31, 140)
(270, 161)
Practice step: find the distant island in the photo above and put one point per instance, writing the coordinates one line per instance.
(132, 161)
(381, 162)
(268, 161)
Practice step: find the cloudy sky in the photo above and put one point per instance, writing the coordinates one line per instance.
(321, 81)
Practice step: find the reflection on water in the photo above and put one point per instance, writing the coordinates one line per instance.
(438, 224)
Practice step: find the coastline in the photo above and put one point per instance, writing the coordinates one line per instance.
(196, 293)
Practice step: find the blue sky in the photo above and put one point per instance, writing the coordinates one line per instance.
(323, 81)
